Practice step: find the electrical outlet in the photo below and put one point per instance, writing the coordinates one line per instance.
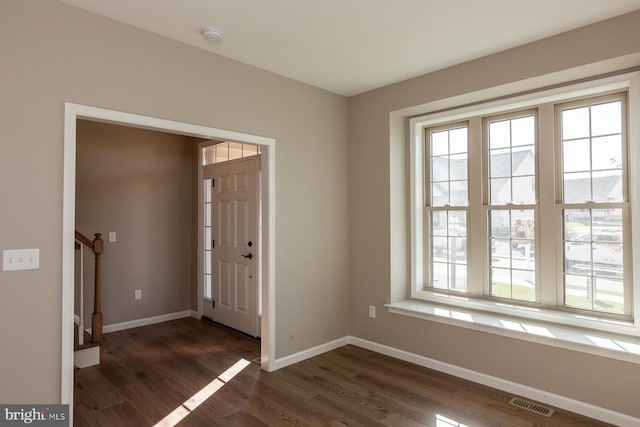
(372, 311)
(20, 259)
(138, 294)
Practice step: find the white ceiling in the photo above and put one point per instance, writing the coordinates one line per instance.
(351, 46)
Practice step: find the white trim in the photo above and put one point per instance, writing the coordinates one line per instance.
(542, 396)
(114, 327)
(75, 111)
(311, 352)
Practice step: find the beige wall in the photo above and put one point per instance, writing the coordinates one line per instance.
(138, 183)
(378, 216)
(52, 53)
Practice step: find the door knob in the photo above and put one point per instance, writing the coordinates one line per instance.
(249, 255)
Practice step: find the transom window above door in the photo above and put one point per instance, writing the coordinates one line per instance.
(225, 151)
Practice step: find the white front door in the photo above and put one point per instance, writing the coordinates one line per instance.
(234, 246)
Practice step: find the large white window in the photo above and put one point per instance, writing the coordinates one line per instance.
(523, 206)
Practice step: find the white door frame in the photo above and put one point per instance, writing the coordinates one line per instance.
(73, 112)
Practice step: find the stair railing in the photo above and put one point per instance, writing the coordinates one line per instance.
(97, 246)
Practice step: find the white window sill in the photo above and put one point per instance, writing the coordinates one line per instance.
(612, 345)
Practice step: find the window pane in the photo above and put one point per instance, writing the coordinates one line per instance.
(523, 131)
(575, 123)
(577, 187)
(500, 283)
(207, 262)
(222, 152)
(249, 150)
(607, 152)
(440, 276)
(458, 167)
(448, 243)
(235, 150)
(458, 277)
(609, 295)
(207, 191)
(207, 286)
(440, 194)
(578, 291)
(606, 118)
(208, 155)
(457, 223)
(523, 161)
(458, 141)
(524, 191)
(576, 155)
(440, 168)
(207, 238)
(439, 226)
(207, 214)
(512, 262)
(500, 191)
(500, 161)
(500, 224)
(440, 143)
(459, 192)
(499, 134)
(607, 186)
(593, 259)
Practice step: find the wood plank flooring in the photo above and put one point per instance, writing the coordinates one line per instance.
(147, 373)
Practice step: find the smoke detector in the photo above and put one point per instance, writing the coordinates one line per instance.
(212, 34)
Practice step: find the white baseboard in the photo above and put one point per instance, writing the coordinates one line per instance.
(558, 401)
(309, 353)
(147, 321)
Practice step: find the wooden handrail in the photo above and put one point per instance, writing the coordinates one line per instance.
(84, 240)
(97, 246)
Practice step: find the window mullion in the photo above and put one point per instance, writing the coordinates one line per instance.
(548, 234)
(477, 234)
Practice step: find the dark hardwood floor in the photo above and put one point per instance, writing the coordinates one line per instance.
(151, 372)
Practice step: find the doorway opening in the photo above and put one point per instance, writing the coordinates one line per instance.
(74, 112)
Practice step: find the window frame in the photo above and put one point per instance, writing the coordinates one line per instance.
(624, 204)
(630, 83)
(447, 207)
(487, 207)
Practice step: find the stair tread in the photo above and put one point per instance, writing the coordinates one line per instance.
(87, 340)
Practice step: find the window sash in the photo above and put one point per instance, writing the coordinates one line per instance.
(597, 269)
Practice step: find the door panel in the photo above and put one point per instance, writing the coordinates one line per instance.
(234, 257)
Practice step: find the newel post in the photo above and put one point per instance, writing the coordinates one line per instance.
(96, 320)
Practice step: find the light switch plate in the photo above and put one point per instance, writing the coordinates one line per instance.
(20, 259)
(137, 295)
(112, 236)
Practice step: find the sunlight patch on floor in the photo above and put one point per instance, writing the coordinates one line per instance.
(442, 421)
(190, 405)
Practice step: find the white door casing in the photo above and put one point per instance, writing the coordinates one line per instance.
(73, 112)
(234, 254)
